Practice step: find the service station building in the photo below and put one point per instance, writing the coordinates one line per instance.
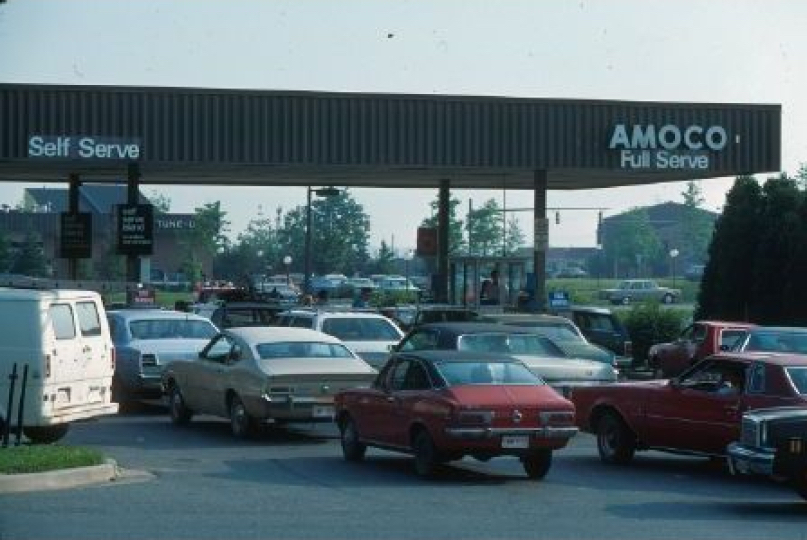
(185, 136)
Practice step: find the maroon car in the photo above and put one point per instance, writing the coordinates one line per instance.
(696, 342)
(443, 405)
(698, 412)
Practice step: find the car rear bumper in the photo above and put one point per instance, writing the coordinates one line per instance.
(744, 459)
(298, 408)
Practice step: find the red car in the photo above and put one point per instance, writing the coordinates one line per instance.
(696, 342)
(443, 405)
(698, 412)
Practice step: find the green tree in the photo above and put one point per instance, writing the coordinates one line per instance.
(456, 243)
(514, 236)
(340, 230)
(696, 226)
(729, 274)
(384, 263)
(779, 236)
(205, 240)
(631, 242)
(160, 202)
(485, 231)
(31, 261)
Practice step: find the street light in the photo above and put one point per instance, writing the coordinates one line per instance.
(321, 192)
(287, 262)
(673, 255)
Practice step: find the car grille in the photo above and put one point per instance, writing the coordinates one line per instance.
(749, 434)
(148, 360)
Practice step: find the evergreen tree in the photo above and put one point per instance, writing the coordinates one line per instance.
(456, 243)
(728, 276)
(695, 225)
(514, 236)
(5, 253)
(485, 229)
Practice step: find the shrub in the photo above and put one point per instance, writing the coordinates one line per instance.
(649, 323)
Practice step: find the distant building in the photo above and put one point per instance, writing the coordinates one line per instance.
(41, 213)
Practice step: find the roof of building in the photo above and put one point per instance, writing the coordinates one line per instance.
(95, 198)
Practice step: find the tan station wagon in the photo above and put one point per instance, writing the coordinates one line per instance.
(252, 375)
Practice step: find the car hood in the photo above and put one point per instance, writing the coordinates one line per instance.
(497, 395)
(316, 366)
(553, 369)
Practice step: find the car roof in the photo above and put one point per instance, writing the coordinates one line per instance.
(471, 327)
(781, 329)
(526, 317)
(155, 313)
(588, 309)
(262, 334)
(335, 313)
(777, 358)
(456, 356)
(735, 324)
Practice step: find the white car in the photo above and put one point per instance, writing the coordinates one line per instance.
(370, 335)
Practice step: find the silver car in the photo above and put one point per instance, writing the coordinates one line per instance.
(252, 375)
(147, 339)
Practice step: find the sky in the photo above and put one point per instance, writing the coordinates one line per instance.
(735, 51)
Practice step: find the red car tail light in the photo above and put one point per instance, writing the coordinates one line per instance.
(557, 418)
(474, 417)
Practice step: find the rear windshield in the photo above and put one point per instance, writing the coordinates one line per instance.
(360, 329)
(510, 344)
(799, 377)
(458, 373)
(777, 341)
(171, 329)
(557, 332)
(302, 349)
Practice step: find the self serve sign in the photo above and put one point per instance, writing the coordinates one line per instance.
(83, 147)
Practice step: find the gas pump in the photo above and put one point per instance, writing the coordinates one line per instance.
(468, 276)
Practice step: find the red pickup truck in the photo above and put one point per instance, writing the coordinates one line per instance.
(696, 342)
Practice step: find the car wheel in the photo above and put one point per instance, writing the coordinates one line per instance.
(537, 464)
(352, 448)
(426, 459)
(615, 442)
(45, 434)
(800, 483)
(179, 412)
(241, 423)
(668, 298)
(625, 300)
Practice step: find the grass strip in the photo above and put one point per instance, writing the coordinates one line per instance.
(46, 457)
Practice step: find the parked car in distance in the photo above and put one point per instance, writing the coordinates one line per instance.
(697, 341)
(538, 352)
(571, 272)
(560, 330)
(694, 272)
(245, 313)
(784, 339)
(146, 340)
(640, 290)
(443, 405)
(698, 412)
(602, 327)
(773, 442)
(370, 335)
(255, 374)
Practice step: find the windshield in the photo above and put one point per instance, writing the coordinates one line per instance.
(530, 344)
(459, 373)
(361, 329)
(777, 341)
(171, 329)
(302, 349)
(799, 377)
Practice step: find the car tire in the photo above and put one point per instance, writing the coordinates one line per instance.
(352, 448)
(667, 299)
(45, 434)
(800, 483)
(615, 442)
(537, 464)
(242, 424)
(177, 409)
(426, 458)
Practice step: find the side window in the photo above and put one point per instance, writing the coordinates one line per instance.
(698, 333)
(729, 339)
(219, 350)
(420, 341)
(88, 320)
(399, 375)
(61, 318)
(756, 379)
(416, 377)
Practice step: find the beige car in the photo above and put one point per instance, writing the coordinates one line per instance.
(252, 375)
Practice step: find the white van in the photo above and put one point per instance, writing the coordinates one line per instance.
(63, 337)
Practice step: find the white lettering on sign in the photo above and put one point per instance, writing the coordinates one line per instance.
(668, 136)
(83, 147)
(666, 147)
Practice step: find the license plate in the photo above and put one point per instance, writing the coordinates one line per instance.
(320, 411)
(63, 396)
(515, 441)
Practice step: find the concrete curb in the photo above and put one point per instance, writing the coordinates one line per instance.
(61, 479)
